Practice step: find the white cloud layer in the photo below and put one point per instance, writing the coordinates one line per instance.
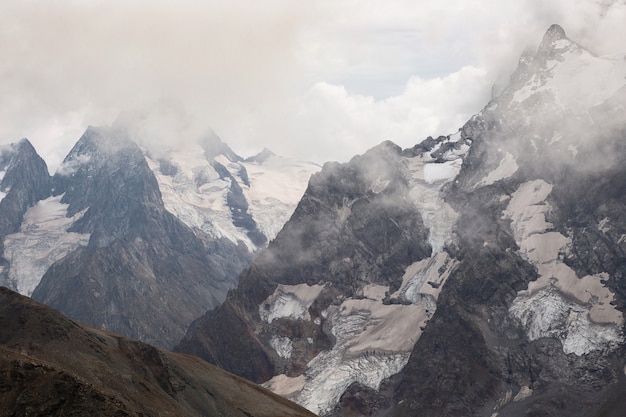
(320, 80)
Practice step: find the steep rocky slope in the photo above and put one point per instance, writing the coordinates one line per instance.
(480, 273)
(140, 245)
(52, 366)
(24, 181)
(142, 273)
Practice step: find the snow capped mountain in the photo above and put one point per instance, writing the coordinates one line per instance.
(474, 274)
(480, 273)
(133, 244)
(371, 236)
(212, 189)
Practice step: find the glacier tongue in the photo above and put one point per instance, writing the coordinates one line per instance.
(42, 240)
(426, 179)
(577, 311)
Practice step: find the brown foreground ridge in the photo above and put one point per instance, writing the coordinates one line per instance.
(53, 366)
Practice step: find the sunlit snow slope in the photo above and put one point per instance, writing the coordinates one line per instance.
(224, 196)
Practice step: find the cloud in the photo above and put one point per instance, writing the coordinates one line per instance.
(323, 80)
(328, 117)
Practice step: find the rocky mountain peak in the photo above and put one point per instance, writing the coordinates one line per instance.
(214, 146)
(554, 33)
(261, 156)
(24, 180)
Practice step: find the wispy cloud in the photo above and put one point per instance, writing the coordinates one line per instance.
(324, 80)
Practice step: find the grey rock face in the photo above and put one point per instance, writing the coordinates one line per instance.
(25, 181)
(144, 273)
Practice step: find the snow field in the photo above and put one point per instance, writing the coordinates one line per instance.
(558, 304)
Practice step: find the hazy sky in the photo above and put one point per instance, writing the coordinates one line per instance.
(317, 80)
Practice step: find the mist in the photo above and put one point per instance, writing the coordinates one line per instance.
(319, 82)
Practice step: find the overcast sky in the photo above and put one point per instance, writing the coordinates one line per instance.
(317, 80)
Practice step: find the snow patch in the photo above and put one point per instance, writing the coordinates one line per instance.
(379, 186)
(373, 340)
(523, 393)
(290, 301)
(577, 311)
(42, 240)
(507, 167)
(282, 345)
(285, 386)
(425, 278)
(603, 226)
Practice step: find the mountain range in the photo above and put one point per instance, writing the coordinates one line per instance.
(124, 241)
(480, 273)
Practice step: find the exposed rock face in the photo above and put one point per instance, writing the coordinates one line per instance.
(531, 322)
(143, 273)
(512, 253)
(24, 181)
(52, 366)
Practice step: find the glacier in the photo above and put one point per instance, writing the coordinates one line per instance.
(577, 311)
(194, 191)
(42, 240)
(374, 339)
(426, 177)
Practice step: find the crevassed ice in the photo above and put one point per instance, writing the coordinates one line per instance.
(437, 215)
(42, 240)
(282, 345)
(577, 311)
(289, 301)
(276, 186)
(373, 340)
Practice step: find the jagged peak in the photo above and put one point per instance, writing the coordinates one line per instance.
(555, 32)
(214, 146)
(261, 156)
(387, 146)
(554, 42)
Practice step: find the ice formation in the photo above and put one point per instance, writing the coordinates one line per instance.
(373, 339)
(42, 240)
(577, 311)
